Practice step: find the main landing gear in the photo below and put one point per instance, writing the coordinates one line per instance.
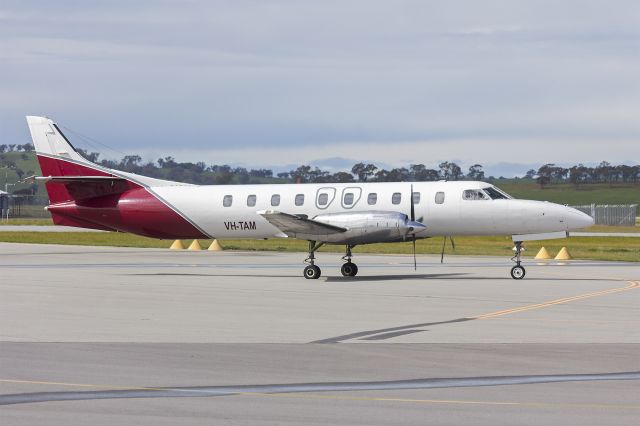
(312, 272)
(349, 269)
(517, 272)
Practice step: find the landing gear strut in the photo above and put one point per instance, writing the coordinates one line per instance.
(349, 269)
(312, 272)
(517, 272)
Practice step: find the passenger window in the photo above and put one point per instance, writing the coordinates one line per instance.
(275, 200)
(416, 198)
(227, 200)
(348, 199)
(299, 199)
(439, 197)
(251, 200)
(396, 198)
(372, 198)
(323, 199)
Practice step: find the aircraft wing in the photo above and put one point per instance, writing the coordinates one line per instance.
(293, 225)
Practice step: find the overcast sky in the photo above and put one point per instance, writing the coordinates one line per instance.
(507, 84)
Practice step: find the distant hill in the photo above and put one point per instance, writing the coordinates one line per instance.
(10, 162)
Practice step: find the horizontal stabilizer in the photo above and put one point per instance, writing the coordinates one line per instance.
(69, 179)
(293, 225)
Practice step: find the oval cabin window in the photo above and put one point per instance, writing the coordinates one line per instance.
(348, 198)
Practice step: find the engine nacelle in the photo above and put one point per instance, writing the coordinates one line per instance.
(370, 227)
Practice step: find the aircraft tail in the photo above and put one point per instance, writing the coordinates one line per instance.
(87, 195)
(56, 155)
(68, 175)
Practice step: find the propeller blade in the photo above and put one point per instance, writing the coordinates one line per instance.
(413, 208)
(453, 243)
(444, 242)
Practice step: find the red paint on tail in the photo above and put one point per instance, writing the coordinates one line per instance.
(120, 205)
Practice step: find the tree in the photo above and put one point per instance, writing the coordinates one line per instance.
(420, 173)
(363, 171)
(261, 173)
(578, 174)
(530, 174)
(545, 173)
(382, 176)
(341, 177)
(602, 171)
(91, 156)
(130, 162)
(301, 174)
(398, 175)
(450, 171)
(475, 172)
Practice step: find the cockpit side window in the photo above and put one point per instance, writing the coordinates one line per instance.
(495, 193)
(474, 194)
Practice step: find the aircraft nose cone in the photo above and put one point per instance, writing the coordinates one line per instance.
(577, 219)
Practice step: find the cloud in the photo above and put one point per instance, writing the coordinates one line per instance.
(287, 79)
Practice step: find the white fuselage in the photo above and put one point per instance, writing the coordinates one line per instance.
(439, 206)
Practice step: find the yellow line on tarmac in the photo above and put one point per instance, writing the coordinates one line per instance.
(445, 401)
(632, 285)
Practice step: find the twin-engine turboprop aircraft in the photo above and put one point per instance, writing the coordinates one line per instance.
(87, 195)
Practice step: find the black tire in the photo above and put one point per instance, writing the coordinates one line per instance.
(517, 272)
(312, 272)
(349, 269)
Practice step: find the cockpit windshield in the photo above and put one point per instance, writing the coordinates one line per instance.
(474, 194)
(495, 193)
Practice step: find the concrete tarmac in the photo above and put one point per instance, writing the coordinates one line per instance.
(147, 336)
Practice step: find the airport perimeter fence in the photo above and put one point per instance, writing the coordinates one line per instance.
(611, 214)
(23, 206)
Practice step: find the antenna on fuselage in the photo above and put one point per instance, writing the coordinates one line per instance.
(444, 243)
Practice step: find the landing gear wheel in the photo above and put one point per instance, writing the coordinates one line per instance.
(349, 269)
(517, 272)
(312, 272)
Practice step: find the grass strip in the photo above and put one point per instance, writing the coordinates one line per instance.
(596, 248)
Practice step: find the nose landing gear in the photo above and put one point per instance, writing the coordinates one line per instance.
(518, 272)
(349, 269)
